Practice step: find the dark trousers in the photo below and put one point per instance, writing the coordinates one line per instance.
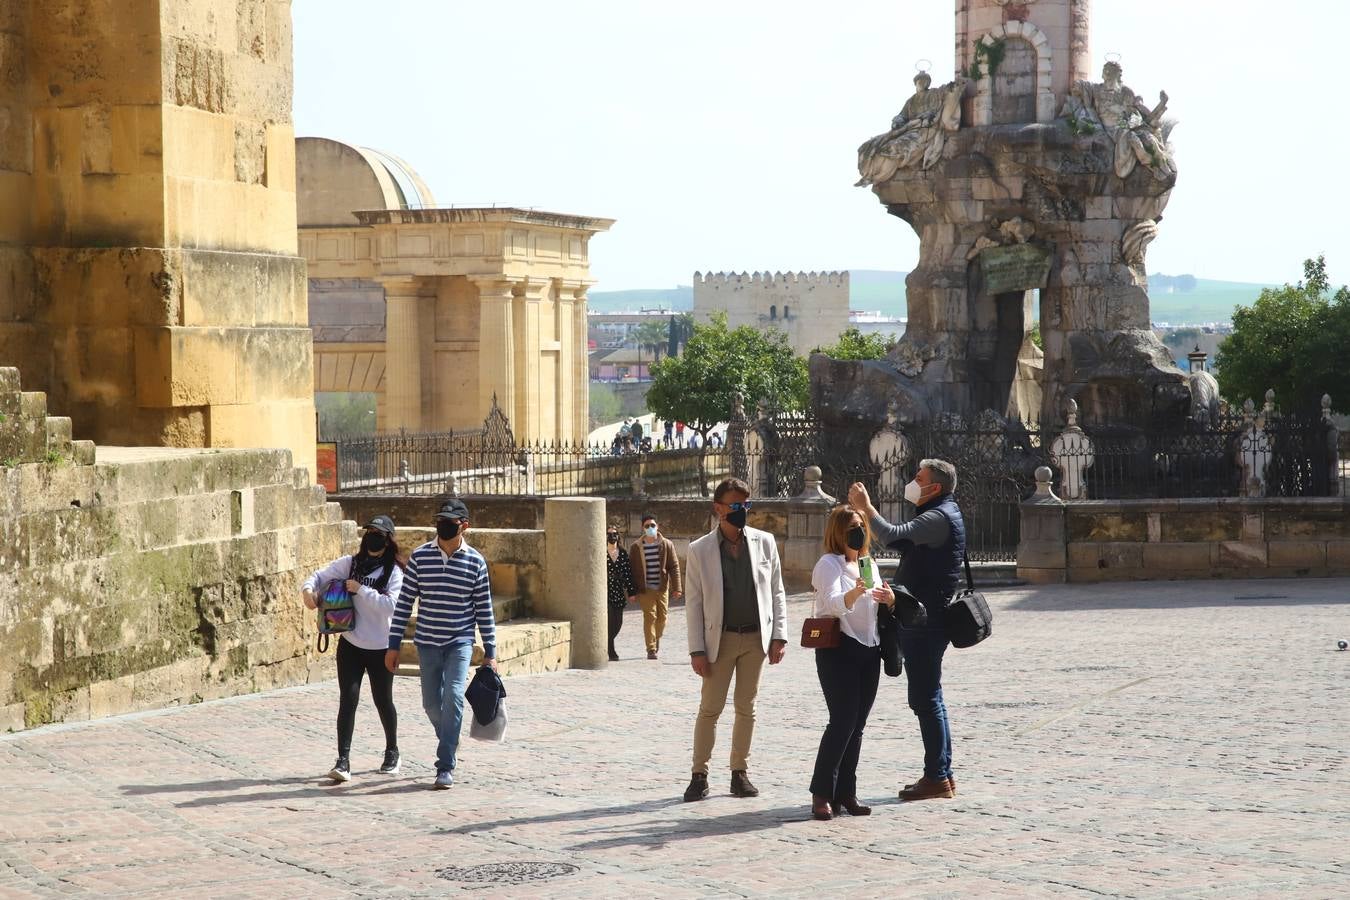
(615, 625)
(922, 649)
(848, 676)
(353, 664)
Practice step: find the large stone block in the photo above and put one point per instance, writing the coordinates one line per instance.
(1308, 520)
(1112, 527)
(1210, 525)
(1242, 555)
(1117, 557)
(1298, 554)
(1164, 559)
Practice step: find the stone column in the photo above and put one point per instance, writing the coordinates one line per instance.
(574, 577)
(581, 390)
(527, 422)
(1042, 550)
(402, 353)
(1080, 41)
(497, 347)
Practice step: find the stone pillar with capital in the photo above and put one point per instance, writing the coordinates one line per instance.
(528, 424)
(403, 352)
(497, 347)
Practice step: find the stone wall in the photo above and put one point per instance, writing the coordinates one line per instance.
(1120, 540)
(798, 527)
(144, 577)
(149, 281)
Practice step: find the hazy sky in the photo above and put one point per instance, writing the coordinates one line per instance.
(723, 136)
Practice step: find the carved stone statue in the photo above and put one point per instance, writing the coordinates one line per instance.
(917, 134)
(1138, 132)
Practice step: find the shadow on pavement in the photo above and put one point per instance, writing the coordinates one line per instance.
(317, 787)
(224, 784)
(657, 835)
(581, 815)
(1182, 595)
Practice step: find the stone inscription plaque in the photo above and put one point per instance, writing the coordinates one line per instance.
(1020, 267)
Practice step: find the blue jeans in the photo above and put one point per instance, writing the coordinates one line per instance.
(445, 673)
(922, 649)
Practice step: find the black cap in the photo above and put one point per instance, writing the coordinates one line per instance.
(382, 523)
(453, 509)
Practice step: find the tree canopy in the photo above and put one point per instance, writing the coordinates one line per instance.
(1292, 339)
(696, 387)
(853, 344)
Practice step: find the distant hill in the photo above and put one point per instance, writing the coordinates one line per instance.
(1178, 300)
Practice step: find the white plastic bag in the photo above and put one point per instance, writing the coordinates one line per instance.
(494, 731)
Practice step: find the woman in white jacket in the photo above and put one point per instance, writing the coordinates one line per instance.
(374, 577)
(850, 672)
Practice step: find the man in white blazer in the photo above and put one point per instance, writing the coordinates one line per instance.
(736, 609)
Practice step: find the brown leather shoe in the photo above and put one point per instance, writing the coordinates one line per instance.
(741, 786)
(651, 654)
(820, 808)
(852, 806)
(927, 789)
(698, 788)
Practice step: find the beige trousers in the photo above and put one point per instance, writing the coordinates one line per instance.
(655, 605)
(741, 655)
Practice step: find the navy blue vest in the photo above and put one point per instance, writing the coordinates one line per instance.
(933, 574)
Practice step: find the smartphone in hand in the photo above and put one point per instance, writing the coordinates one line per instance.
(867, 571)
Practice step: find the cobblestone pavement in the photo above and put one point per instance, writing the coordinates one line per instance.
(1182, 739)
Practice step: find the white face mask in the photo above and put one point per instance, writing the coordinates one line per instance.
(650, 531)
(913, 491)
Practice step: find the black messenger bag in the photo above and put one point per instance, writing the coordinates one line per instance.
(967, 615)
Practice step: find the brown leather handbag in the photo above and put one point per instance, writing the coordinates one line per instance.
(820, 633)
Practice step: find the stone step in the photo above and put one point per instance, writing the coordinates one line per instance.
(59, 438)
(985, 574)
(524, 647)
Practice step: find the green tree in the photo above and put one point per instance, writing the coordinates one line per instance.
(853, 344)
(697, 386)
(605, 404)
(1292, 339)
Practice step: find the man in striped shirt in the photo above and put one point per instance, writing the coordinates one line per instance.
(448, 580)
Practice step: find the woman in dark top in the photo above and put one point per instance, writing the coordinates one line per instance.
(620, 580)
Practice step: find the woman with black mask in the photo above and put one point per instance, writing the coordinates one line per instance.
(374, 576)
(850, 672)
(620, 569)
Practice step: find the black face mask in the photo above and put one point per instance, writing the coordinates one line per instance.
(446, 529)
(374, 543)
(856, 538)
(736, 518)
(612, 538)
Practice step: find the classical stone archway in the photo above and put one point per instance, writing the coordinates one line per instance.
(1025, 59)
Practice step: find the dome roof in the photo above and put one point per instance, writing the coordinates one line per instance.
(334, 179)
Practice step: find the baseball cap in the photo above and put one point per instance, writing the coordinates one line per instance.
(382, 523)
(453, 509)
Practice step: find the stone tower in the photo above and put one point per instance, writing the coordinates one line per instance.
(811, 308)
(1023, 174)
(149, 279)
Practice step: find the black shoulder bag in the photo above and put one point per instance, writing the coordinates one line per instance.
(967, 615)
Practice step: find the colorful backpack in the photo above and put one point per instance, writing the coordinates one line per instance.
(337, 611)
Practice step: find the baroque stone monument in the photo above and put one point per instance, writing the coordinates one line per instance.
(1023, 174)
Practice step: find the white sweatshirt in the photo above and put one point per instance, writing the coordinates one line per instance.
(374, 609)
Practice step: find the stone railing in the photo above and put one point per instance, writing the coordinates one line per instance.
(1239, 537)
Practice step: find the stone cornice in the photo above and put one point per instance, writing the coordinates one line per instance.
(484, 214)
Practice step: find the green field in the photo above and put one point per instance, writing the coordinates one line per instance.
(883, 291)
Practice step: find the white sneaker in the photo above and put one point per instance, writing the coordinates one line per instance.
(443, 781)
(391, 763)
(341, 771)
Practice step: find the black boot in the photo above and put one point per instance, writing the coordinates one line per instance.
(741, 786)
(698, 788)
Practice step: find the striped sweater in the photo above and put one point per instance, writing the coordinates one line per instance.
(452, 596)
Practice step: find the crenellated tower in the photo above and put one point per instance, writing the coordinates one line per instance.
(811, 308)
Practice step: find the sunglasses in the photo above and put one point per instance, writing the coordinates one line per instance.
(737, 507)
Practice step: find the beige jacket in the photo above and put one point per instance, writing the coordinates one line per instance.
(703, 591)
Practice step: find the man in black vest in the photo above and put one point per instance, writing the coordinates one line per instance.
(934, 545)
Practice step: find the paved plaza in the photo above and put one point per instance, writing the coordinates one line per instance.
(1170, 739)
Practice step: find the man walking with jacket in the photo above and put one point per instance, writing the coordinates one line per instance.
(737, 615)
(656, 580)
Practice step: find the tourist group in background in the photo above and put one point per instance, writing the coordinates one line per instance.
(633, 437)
(736, 616)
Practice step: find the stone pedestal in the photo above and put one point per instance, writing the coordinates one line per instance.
(1042, 556)
(576, 584)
